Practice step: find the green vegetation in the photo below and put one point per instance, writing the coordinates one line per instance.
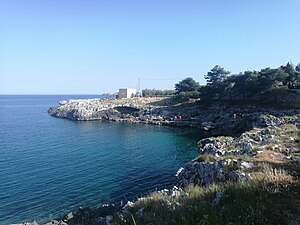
(186, 89)
(156, 92)
(264, 86)
(187, 85)
(216, 82)
(262, 200)
(186, 96)
(206, 158)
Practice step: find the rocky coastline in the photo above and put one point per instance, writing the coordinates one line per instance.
(215, 120)
(240, 141)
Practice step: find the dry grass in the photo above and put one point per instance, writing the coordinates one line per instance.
(257, 201)
(206, 158)
(271, 174)
(269, 157)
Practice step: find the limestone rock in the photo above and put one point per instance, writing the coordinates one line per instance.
(128, 206)
(69, 216)
(205, 173)
(202, 173)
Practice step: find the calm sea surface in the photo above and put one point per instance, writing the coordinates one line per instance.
(50, 166)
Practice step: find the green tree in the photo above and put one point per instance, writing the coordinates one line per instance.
(291, 78)
(297, 69)
(270, 79)
(216, 75)
(215, 79)
(244, 83)
(266, 79)
(187, 85)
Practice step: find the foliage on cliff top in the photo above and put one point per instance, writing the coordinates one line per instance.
(269, 85)
(155, 92)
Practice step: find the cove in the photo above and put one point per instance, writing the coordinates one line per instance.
(50, 166)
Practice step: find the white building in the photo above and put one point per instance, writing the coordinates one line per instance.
(127, 92)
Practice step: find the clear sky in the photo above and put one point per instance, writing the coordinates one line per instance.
(94, 46)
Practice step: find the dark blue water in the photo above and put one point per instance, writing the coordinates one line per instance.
(50, 166)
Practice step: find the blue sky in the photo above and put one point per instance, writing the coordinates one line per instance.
(94, 46)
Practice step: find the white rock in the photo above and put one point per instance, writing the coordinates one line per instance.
(246, 165)
(179, 171)
(128, 205)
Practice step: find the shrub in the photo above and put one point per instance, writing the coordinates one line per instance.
(186, 96)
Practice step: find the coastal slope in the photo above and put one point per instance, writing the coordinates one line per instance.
(247, 171)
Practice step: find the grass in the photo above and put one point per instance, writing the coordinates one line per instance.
(205, 158)
(238, 157)
(266, 199)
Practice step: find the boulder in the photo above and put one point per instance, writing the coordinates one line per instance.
(205, 173)
(209, 149)
(128, 206)
(69, 216)
(201, 173)
(267, 120)
(219, 142)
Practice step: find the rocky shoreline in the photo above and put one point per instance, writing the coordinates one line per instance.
(215, 120)
(242, 139)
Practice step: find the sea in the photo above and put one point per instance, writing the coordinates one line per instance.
(50, 166)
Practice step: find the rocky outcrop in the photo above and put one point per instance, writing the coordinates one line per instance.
(95, 109)
(214, 121)
(206, 173)
(223, 158)
(102, 215)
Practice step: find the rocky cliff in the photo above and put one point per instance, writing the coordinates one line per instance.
(215, 120)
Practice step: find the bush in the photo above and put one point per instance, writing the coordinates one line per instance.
(186, 96)
(156, 92)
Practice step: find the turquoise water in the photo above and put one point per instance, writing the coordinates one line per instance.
(50, 166)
